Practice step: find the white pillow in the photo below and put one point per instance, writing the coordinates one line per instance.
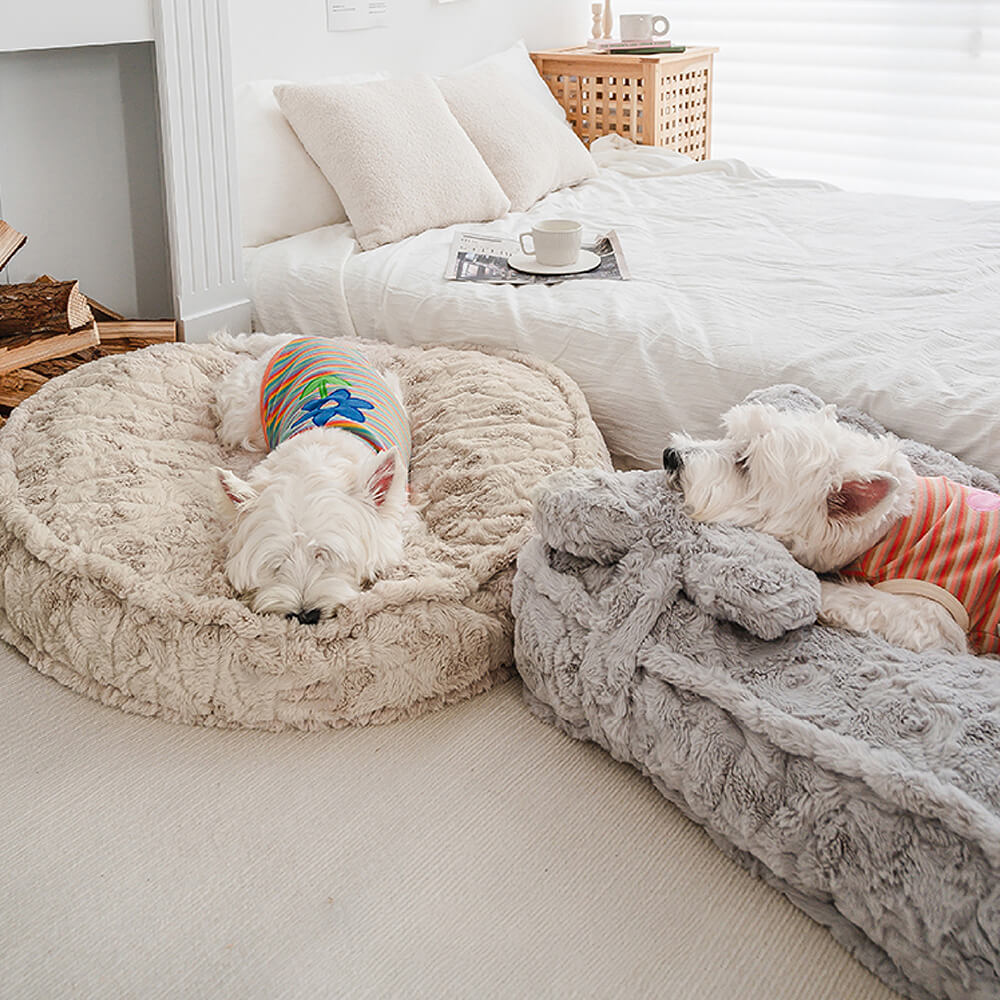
(528, 150)
(282, 191)
(395, 154)
(517, 62)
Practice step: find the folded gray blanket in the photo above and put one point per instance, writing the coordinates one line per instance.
(861, 779)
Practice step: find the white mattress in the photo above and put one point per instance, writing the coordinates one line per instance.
(740, 281)
(475, 852)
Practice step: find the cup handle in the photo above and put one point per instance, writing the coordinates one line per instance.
(666, 25)
(521, 239)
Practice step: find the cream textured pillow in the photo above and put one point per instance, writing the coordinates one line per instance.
(529, 150)
(395, 154)
(282, 191)
(518, 63)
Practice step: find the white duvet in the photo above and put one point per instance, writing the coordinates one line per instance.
(739, 281)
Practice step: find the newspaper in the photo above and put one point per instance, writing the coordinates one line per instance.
(483, 257)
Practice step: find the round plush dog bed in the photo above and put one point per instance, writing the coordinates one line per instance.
(112, 556)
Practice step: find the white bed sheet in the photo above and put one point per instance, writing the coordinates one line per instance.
(740, 280)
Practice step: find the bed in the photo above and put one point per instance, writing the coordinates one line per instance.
(739, 280)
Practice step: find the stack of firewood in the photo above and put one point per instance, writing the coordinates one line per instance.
(48, 327)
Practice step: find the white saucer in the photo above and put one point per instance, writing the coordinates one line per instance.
(587, 261)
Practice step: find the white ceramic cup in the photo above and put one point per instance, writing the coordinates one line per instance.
(554, 242)
(642, 27)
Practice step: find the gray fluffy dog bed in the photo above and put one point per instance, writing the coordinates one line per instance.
(859, 778)
(112, 556)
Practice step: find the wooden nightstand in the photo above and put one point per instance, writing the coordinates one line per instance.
(656, 100)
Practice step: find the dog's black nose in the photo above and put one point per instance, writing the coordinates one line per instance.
(672, 459)
(309, 617)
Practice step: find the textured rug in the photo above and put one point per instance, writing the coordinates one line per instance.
(112, 560)
(861, 779)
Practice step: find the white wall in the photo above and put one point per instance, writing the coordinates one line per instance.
(289, 40)
(80, 172)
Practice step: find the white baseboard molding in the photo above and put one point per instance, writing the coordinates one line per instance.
(233, 317)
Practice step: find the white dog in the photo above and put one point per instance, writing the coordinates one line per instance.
(323, 514)
(917, 559)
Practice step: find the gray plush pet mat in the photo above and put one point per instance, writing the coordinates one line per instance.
(859, 778)
(112, 559)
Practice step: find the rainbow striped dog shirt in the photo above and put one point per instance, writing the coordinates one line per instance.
(315, 382)
(947, 549)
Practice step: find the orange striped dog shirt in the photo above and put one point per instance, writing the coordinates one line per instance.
(947, 549)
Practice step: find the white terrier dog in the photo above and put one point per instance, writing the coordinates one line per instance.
(917, 559)
(323, 514)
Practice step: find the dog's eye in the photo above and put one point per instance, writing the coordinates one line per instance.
(322, 555)
(742, 465)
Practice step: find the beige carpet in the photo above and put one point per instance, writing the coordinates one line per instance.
(473, 852)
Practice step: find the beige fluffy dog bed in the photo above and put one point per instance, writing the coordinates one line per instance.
(112, 558)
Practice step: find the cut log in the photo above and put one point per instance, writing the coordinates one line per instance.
(100, 312)
(52, 367)
(31, 307)
(10, 242)
(25, 351)
(143, 332)
(17, 386)
(123, 346)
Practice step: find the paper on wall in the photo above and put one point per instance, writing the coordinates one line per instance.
(354, 15)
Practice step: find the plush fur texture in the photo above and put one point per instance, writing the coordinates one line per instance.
(828, 492)
(859, 778)
(113, 562)
(318, 519)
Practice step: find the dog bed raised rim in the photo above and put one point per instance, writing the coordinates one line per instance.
(112, 557)
(861, 779)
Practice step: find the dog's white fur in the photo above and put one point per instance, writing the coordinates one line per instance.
(828, 493)
(320, 517)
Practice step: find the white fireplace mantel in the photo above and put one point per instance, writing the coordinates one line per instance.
(61, 24)
(199, 159)
(191, 40)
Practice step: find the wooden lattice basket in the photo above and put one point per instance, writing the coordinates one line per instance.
(655, 100)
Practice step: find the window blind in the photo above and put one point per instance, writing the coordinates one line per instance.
(900, 95)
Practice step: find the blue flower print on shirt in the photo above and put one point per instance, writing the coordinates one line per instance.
(339, 404)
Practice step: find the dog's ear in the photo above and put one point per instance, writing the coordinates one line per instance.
(385, 474)
(858, 497)
(238, 491)
(749, 420)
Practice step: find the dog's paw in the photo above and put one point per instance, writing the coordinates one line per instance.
(915, 623)
(935, 629)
